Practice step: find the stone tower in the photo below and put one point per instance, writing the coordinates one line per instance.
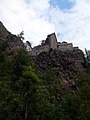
(52, 41)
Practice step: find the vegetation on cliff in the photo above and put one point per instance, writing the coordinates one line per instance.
(51, 86)
(26, 93)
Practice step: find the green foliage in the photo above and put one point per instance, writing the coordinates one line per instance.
(84, 93)
(52, 84)
(21, 60)
(27, 95)
(3, 45)
(21, 35)
(87, 52)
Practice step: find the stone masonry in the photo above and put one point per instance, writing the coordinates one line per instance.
(50, 43)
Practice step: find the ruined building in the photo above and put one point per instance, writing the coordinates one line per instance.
(50, 43)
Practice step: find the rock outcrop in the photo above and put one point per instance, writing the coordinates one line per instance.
(11, 42)
(66, 64)
(3, 32)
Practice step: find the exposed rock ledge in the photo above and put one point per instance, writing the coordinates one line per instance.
(66, 64)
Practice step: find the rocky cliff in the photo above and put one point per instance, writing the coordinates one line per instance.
(9, 41)
(66, 65)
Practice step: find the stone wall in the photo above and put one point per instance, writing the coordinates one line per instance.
(38, 49)
(50, 42)
(65, 46)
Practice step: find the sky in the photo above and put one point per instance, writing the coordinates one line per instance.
(69, 19)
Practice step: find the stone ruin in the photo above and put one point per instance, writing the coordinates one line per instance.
(50, 43)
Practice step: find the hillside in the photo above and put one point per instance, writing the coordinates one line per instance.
(53, 85)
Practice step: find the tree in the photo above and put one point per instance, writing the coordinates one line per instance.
(27, 87)
(87, 55)
(21, 35)
(20, 60)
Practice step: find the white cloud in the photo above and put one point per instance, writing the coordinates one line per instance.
(39, 18)
(74, 24)
(19, 15)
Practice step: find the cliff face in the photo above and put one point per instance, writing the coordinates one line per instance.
(66, 64)
(9, 41)
(3, 32)
(13, 44)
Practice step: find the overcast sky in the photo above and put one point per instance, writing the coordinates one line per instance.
(69, 19)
